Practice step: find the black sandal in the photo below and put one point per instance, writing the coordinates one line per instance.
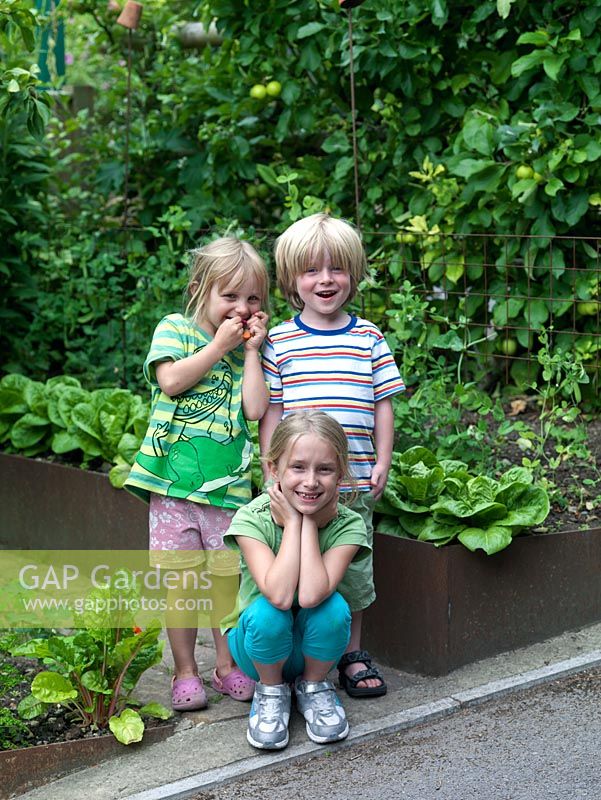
(349, 682)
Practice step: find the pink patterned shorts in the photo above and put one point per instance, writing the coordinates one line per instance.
(185, 534)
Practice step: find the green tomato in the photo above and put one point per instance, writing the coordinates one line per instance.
(252, 190)
(262, 191)
(508, 347)
(538, 177)
(258, 92)
(273, 88)
(524, 172)
(588, 309)
(406, 238)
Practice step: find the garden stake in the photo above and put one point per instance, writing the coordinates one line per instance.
(129, 18)
(349, 4)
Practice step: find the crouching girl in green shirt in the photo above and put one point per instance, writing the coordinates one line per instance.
(296, 543)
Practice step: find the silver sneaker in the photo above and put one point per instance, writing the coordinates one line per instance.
(269, 716)
(323, 712)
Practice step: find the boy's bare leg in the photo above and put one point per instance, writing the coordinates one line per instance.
(355, 644)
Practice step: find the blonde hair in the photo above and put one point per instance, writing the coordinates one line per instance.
(307, 241)
(300, 423)
(223, 261)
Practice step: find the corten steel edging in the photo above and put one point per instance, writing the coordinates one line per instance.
(438, 609)
(45, 506)
(29, 767)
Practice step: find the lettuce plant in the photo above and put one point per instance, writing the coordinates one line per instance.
(440, 502)
(60, 417)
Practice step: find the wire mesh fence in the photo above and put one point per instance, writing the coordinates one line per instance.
(497, 298)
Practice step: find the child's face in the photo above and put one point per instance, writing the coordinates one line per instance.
(323, 288)
(308, 474)
(229, 300)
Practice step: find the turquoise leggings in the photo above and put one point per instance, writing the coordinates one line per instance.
(266, 635)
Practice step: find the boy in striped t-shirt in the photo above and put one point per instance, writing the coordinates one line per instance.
(329, 360)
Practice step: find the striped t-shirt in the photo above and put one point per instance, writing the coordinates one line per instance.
(343, 372)
(198, 445)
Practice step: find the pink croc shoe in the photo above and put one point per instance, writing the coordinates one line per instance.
(188, 694)
(238, 685)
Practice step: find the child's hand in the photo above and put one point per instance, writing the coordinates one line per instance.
(379, 476)
(229, 334)
(281, 510)
(256, 326)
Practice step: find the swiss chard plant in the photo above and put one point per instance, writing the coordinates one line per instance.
(94, 671)
(60, 417)
(441, 501)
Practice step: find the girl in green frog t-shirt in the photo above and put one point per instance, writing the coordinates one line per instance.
(204, 367)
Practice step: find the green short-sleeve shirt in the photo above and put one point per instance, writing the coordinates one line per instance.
(255, 521)
(197, 446)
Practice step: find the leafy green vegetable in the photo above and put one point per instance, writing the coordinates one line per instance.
(440, 502)
(94, 671)
(61, 417)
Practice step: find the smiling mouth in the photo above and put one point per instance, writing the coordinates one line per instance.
(307, 496)
(326, 295)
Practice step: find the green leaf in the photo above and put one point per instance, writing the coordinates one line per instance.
(70, 396)
(553, 186)
(62, 651)
(62, 380)
(474, 500)
(536, 314)
(537, 38)
(507, 309)
(391, 527)
(63, 442)
(504, 7)
(397, 499)
(516, 475)
(454, 269)
(478, 134)
(118, 475)
(156, 710)
(439, 532)
(83, 417)
(528, 62)
(268, 176)
(448, 341)
(553, 63)
(291, 91)
(415, 455)
(50, 687)
(338, 142)
(467, 167)
(491, 540)
(28, 431)
(30, 707)
(310, 29)
(35, 648)
(35, 397)
(95, 681)
(12, 401)
(526, 505)
(127, 727)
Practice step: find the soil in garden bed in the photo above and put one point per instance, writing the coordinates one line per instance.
(576, 486)
(56, 724)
